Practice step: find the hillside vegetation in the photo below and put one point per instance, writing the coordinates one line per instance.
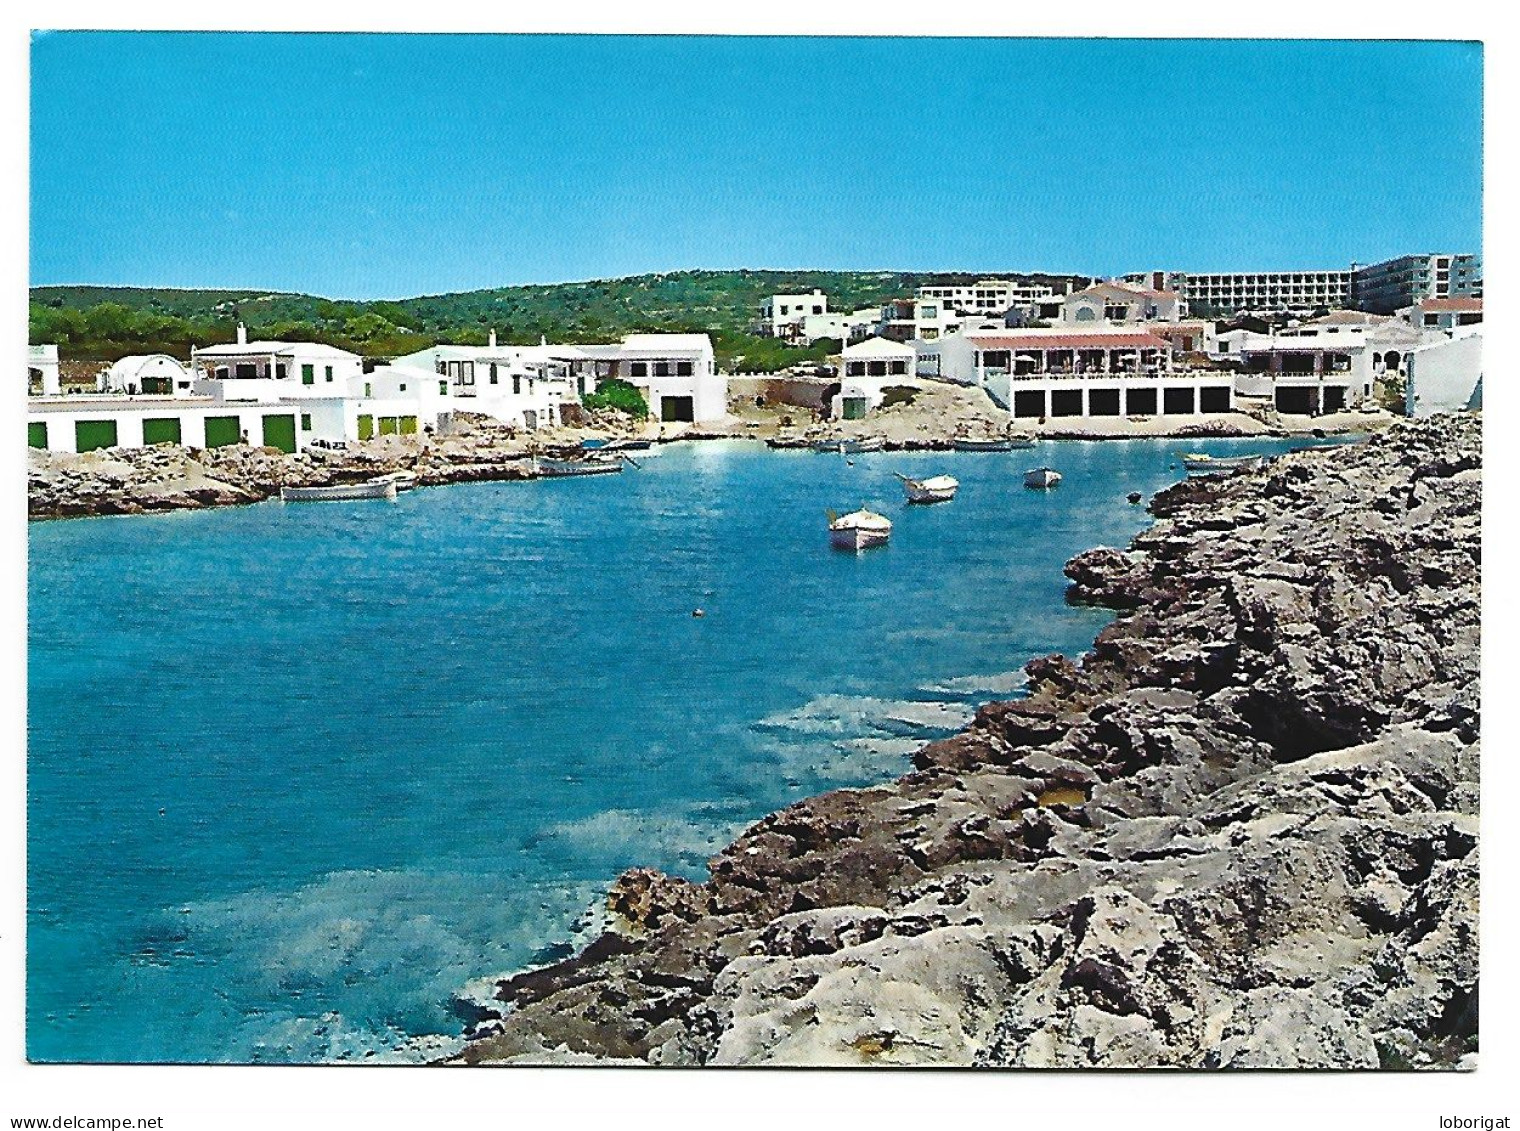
(103, 323)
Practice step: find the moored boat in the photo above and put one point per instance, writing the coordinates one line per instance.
(404, 480)
(849, 447)
(859, 530)
(565, 468)
(1041, 477)
(338, 492)
(1005, 444)
(935, 489)
(1197, 462)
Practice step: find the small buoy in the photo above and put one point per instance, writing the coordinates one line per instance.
(160, 812)
(698, 613)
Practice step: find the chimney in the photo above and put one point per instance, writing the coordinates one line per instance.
(242, 335)
(493, 339)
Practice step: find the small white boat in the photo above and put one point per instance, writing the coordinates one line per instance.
(936, 489)
(1041, 477)
(1217, 465)
(859, 530)
(404, 480)
(567, 468)
(338, 492)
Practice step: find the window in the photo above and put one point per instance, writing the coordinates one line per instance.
(245, 371)
(662, 369)
(367, 393)
(855, 369)
(443, 388)
(876, 368)
(899, 367)
(683, 369)
(1432, 320)
(516, 384)
(638, 369)
(308, 374)
(928, 312)
(817, 310)
(328, 373)
(580, 385)
(493, 373)
(306, 422)
(401, 388)
(279, 372)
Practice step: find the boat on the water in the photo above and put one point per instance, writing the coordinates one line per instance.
(1041, 477)
(627, 445)
(849, 447)
(1006, 444)
(1203, 463)
(859, 530)
(566, 468)
(935, 489)
(338, 492)
(404, 480)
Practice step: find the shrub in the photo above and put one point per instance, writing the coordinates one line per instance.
(619, 395)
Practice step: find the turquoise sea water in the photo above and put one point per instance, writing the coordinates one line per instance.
(298, 773)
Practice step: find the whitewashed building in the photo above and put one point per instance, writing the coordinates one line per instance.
(148, 374)
(1059, 372)
(866, 370)
(918, 319)
(840, 327)
(1120, 302)
(986, 296)
(42, 370)
(676, 373)
(1444, 314)
(781, 316)
(1445, 375)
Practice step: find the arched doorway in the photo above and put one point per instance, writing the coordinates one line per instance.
(1392, 359)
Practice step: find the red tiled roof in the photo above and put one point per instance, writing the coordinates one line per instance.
(1452, 304)
(1124, 341)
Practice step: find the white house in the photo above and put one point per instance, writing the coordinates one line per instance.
(523, 386)
(1445, 375)
(676, 373)
(151, 374)
(839, 326)
(986, 296)
(781, 316)
(42, 369)
(1444, 313)
(866, 370)
(272, 371)
(921, 319)
(1104, 370)
(1121, 302)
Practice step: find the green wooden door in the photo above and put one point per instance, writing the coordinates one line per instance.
(92, 434)
(163, 430)
(676, 409)
(408, 425)
(366, 426)
(854, 408)
(280, 432)
(36, 433)
(221, 431)
(387, 426)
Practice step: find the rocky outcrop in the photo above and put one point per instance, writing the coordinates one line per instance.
(1241, 832)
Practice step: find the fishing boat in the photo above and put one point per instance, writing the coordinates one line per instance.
(936, 489)
(859, 530)
(1041, 477)
(849, 447)
(404, 480)
(566, 468)
(1006, 444)
(338, 492)
(1202, 462)
(628, 445)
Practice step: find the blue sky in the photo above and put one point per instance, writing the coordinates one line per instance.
(370, 166)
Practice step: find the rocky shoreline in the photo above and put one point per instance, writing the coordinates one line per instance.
(168, 477)
(1241, 832)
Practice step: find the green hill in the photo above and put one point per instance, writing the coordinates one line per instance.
(103, 323)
